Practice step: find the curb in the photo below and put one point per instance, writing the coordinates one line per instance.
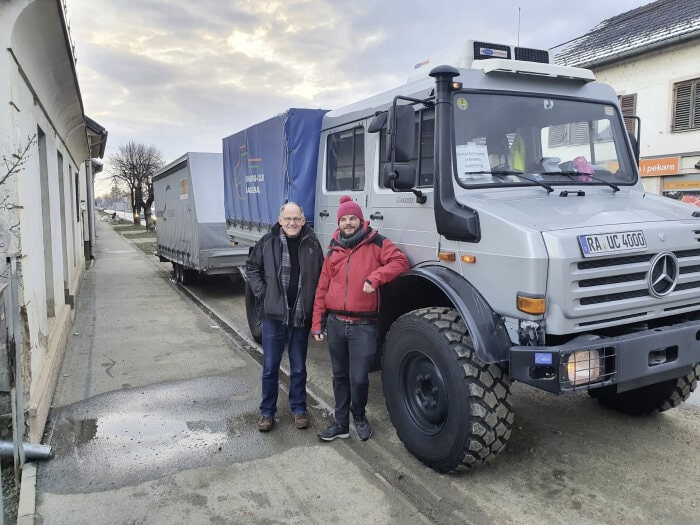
(27, 495)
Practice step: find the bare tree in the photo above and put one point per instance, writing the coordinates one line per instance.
(13, 166)
(134, 165)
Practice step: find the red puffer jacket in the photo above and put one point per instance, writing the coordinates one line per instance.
(374, 259)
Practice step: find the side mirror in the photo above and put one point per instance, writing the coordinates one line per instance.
(401, 133)
(378, 122)
(402, 177)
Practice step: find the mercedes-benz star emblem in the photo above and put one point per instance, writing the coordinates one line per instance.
(663, 275)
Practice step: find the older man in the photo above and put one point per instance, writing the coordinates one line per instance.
(283, 270)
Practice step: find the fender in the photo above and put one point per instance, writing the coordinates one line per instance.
(486, 328)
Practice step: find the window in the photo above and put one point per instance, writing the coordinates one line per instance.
(345, 165)
(423, 154)
(686, 105)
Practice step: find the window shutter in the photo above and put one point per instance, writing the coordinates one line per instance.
(682, 106)
(628, 105)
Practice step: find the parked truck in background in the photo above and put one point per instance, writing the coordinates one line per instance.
(191, 227)
(536, 255)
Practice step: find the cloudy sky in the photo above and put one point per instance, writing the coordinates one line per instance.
(181, 75)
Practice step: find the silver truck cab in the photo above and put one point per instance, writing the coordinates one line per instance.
(536, 255)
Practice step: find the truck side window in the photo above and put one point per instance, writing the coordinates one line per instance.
(424, 152)
(345, 165)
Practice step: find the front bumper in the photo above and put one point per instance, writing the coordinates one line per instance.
(629, 361)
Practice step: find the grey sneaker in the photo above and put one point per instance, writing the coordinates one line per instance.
(364, 431)
(334, 431)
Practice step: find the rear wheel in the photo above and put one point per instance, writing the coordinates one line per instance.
(649, 399)
(177, 272)
(252, 314)
(188, 275)
(449, 408)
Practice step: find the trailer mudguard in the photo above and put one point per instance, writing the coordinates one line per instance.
(421, 286)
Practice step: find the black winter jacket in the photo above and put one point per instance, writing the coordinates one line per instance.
(263, 272)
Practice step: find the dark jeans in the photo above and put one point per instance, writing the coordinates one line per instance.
(352, 348)
(275, 335)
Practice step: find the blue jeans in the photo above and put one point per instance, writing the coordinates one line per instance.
(352, 348)
(275, 335)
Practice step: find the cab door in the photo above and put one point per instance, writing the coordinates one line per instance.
(400, 216)
(341, 172)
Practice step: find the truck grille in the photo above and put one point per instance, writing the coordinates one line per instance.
(611, 280)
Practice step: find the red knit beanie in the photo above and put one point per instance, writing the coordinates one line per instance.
(349, 207)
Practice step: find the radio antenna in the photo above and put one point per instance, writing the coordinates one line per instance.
(518, 26)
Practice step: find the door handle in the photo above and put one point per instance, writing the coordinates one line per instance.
(324, 213)
(377, 216)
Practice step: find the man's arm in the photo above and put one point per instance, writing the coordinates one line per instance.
(255, 270)
(393, 262)
(320, 301)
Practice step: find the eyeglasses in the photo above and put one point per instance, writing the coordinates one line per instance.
(292, 219)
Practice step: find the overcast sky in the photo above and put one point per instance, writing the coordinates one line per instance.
(181, 75)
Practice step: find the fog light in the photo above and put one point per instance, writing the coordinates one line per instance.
(583, 367)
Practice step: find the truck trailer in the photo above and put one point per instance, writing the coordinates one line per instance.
(191, 227)
(512, 185)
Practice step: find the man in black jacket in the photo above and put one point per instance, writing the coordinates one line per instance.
(283, 270)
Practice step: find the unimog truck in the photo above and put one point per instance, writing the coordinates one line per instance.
(536, 255)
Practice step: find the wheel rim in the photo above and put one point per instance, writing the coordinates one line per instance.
(424, 392)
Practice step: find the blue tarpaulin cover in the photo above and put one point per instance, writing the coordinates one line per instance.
(271, 163)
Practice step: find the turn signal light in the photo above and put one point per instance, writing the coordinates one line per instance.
(531, 304)
(447, 256)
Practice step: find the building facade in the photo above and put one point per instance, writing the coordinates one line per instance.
(651, 56)
(46, 202)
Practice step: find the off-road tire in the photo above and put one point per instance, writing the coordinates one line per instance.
(449, 409)
(252, 314)
(649, 399)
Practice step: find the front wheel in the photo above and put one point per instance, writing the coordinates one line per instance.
(649, 399)
(252, 314)
(449, 408)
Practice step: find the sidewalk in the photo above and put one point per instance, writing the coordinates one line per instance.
(153, 421)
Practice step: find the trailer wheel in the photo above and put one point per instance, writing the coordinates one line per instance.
(649, 399)
(177, 272)
(449, 408)
(251, 312)
(188, 275)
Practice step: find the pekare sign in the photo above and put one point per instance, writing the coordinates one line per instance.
(659, 167)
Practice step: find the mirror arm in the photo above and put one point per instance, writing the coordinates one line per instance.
(420, 197)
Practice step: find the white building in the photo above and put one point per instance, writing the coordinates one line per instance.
(651, 56)
(46, 204)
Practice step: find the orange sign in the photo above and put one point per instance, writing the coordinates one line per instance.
(659, 167)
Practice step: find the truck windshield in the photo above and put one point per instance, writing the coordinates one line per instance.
(503, 139)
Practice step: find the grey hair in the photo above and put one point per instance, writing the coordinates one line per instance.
(287, 204)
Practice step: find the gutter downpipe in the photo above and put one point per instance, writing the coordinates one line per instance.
(90, 183)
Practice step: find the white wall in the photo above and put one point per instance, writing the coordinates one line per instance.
(652, 77)
(38, 89)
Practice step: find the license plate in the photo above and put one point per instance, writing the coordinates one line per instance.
(593, 245)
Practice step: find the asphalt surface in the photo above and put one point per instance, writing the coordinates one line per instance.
(153, 420)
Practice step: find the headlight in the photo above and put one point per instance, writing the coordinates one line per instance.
(583, 367)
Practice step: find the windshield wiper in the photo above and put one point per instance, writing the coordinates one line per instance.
(572, 173)
(505, 173)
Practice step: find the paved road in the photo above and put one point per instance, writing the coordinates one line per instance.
(569, 459)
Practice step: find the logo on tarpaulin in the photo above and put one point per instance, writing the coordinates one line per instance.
(247, 173)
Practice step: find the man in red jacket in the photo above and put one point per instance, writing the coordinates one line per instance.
(359, 260)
